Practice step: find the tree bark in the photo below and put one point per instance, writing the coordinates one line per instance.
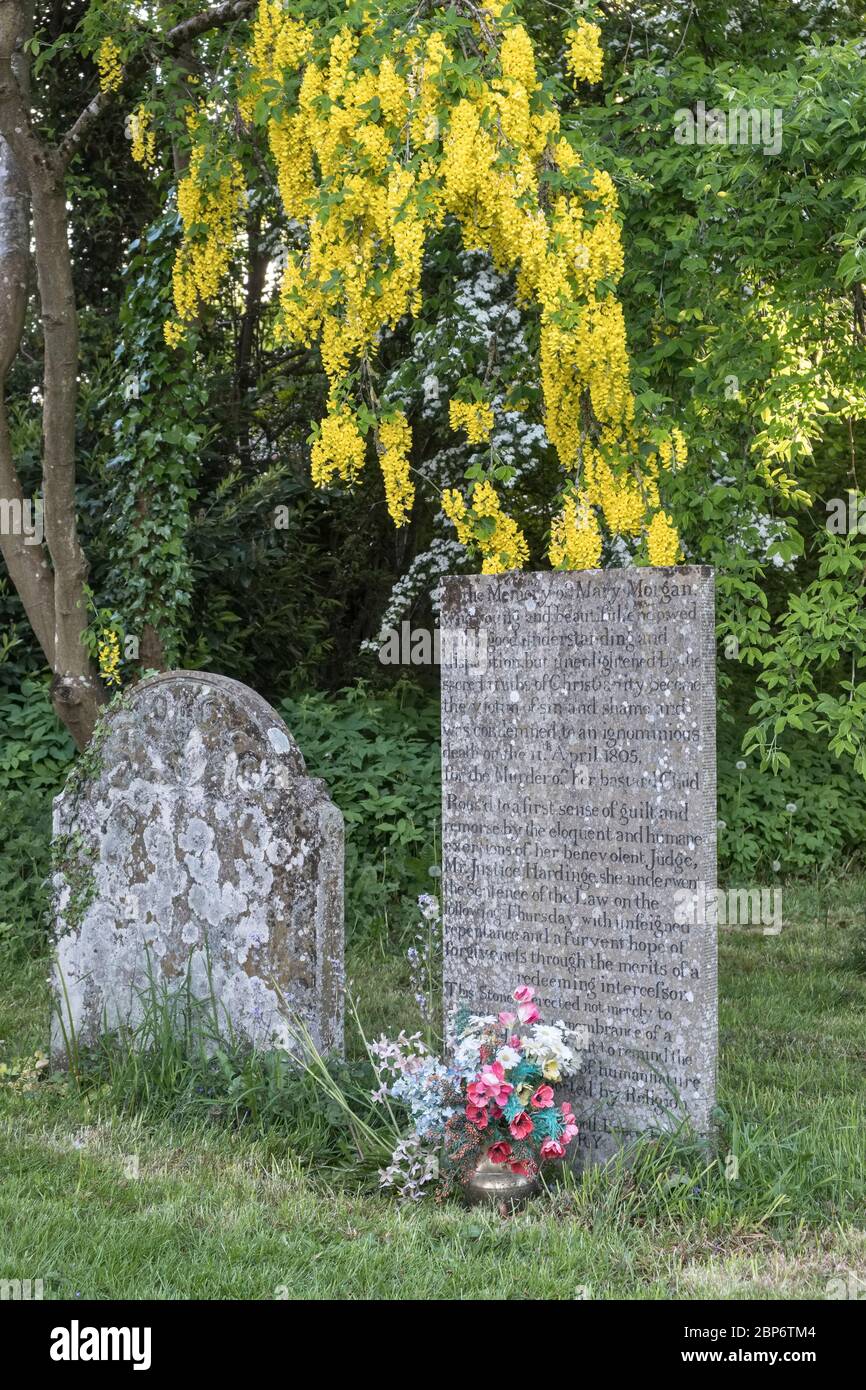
(55, 603)
(77, 691)
(27, 564)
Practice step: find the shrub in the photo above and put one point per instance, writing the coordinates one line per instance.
(758, 828)
(379, 755)
(35, 750)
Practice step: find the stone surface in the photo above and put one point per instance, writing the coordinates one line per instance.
(192, 843)
(579, 817)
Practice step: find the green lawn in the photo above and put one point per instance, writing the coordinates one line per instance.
(103, 1203)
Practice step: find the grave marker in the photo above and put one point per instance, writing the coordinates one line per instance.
(197, 844)
(579, 826)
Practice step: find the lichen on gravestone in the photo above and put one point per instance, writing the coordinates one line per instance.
(192, 851)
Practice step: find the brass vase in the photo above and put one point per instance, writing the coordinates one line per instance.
(495, 1183)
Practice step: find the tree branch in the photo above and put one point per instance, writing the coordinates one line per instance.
(174, 39)
(209, 19)
(89, 116)
(14, 116)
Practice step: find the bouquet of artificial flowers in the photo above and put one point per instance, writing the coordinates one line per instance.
(495, 1098)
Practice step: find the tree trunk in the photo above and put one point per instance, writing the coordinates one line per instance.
(76, 690)
(59, 612)
(27, 563)
(51, 579)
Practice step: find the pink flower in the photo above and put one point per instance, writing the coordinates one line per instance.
(477, 1093)
(551, 1148)
(495, 1112)
(499, 1153)
(523, 994)
(523, 1169)
(492, 1080)
(477, 1115)
(543, 1098)
(516, 1042)
(569, 1122)
(520, 1126)
(506, 1018)
(492, 1075)
(528, 1013)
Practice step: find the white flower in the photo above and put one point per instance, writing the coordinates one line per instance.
(740, 765)
(776, 866)
(508, 1056)
(791, 807)
(431, 388)
(549, 1035)
(547, 1044)
(480, 1023)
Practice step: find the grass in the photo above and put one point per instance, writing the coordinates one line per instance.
(103, 1199)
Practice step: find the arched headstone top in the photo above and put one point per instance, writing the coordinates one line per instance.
(170, 716)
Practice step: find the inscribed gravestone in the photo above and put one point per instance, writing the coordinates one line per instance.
(194, 844)
(579, 814)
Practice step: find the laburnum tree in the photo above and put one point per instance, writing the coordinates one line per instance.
(383, 126)
(386, 124)
(313, 166)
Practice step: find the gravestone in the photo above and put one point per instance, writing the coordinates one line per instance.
(191, 846)
(579, 826)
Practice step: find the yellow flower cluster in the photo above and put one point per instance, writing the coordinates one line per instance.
(583, 56)
(108, 655)
(575, 538)
(279, 43)
(338, 450)
(395, 444)
(663, 543)
(426, 64)
(499, 540)
(673, 451)
(619, 494)
(517, 58)
(143, 136)
(208, 204)
(361, 270)
(475, 417)
(109, 63)
(377, 135)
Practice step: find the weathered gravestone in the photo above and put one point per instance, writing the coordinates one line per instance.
(191, 845)
(579, 813)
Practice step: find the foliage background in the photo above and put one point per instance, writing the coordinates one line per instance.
(745, 307)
